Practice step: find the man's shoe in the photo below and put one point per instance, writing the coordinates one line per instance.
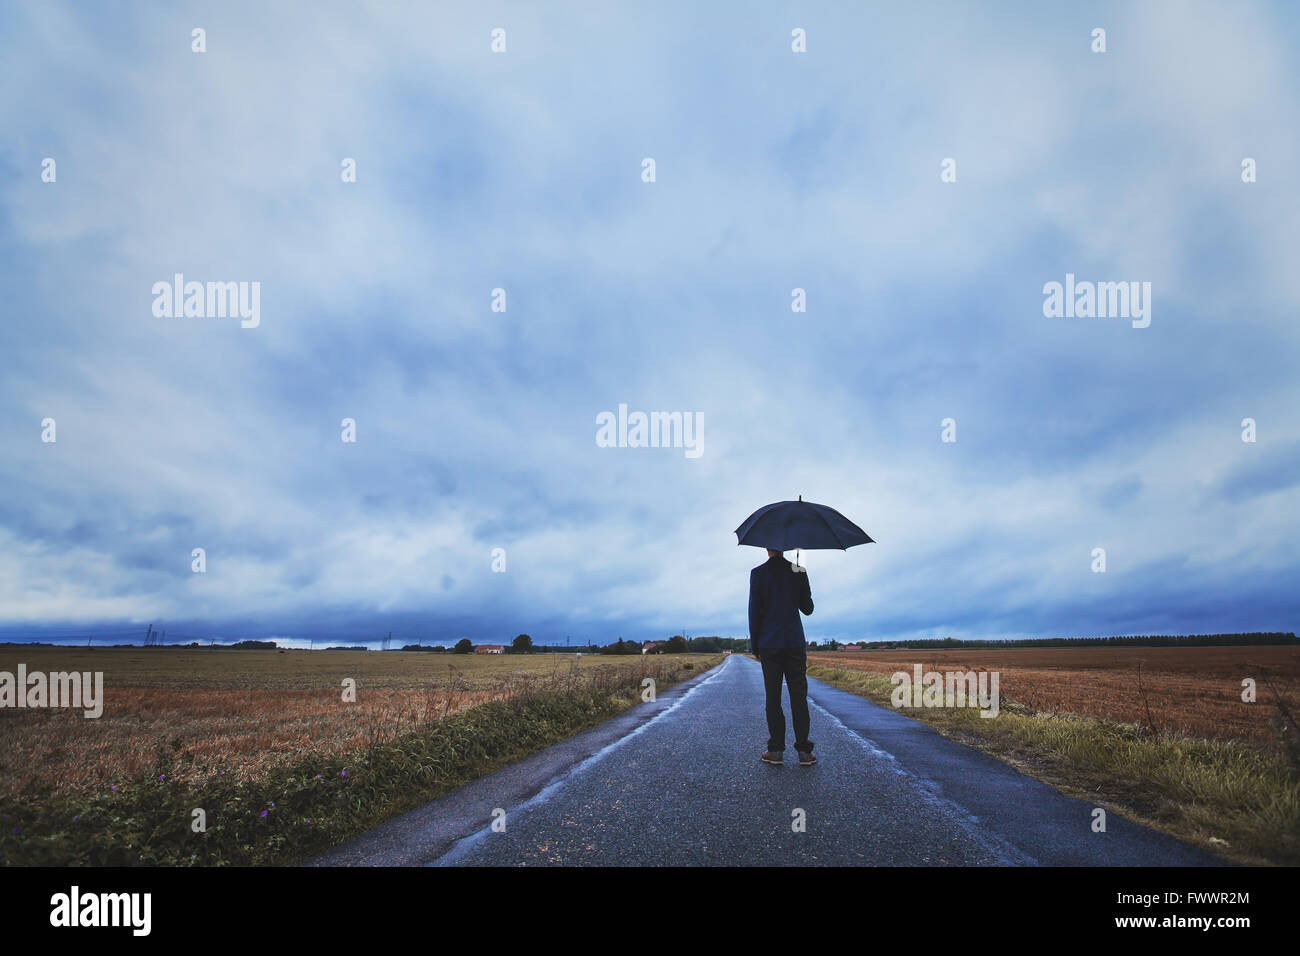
(806, 758)
(773, 757)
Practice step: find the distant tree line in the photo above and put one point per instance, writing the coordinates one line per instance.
(1130, 640)
(679, 644)
(715, 645)
(622, 647)
(523, 644)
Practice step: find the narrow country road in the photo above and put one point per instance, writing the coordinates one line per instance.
(679, 782)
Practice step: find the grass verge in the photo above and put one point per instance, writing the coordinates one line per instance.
(321, 800)
(1228, 798)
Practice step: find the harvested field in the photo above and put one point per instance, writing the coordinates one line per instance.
(243, 712)
(1195, 691)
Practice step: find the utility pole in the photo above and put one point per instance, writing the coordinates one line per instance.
(148, 636)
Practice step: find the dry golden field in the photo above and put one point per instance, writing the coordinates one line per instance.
(1194, 691)
(244, 711)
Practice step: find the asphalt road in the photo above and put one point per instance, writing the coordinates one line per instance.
(679, 782)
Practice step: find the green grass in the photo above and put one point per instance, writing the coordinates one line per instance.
(1231, 799)
(322, 800)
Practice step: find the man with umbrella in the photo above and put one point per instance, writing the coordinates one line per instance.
(778, 592)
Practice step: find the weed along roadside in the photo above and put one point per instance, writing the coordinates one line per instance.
(321, 799)
(1232, 799)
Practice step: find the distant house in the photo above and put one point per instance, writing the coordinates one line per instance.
(490, 649)
(649, 646)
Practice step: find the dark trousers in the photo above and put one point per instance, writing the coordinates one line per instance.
(791, 665)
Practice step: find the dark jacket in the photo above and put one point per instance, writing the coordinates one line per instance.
(777, 593)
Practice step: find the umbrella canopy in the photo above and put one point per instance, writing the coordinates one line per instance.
(787, 525)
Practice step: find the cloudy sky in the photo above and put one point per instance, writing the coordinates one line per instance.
(523, 170)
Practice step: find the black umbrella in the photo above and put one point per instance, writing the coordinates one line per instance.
(802, 525)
